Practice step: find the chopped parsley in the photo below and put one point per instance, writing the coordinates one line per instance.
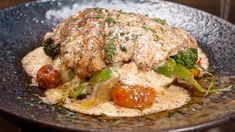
(111, 21)
(98, 16)
(110, 49)
(144, 27)
(152, 30)
(160, 21)
(147, 28)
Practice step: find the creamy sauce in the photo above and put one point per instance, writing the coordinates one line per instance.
(131, 75)
(33, 61)
(167, 97)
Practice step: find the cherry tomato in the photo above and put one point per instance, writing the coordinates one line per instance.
(197, 73)
(133, 96)
(47, 77)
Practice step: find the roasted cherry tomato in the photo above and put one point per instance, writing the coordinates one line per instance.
(47, 77)
(133, 96)
(197, 73)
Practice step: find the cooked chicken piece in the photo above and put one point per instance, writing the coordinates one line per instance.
(96, 37)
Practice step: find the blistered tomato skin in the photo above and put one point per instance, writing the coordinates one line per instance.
(133, 96)
(47, 77)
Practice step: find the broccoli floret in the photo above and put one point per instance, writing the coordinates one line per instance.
(186, 58)
(50, 48)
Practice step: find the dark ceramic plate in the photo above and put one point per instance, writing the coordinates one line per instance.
(22, 27)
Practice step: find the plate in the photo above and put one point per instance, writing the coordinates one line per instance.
(22, 28)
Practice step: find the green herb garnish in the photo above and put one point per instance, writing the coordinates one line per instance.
(98, 16)
(111, 21)
(147, 28)
(144, 27)
(160, 21)
(110, 50)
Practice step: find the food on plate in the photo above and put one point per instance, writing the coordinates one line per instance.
(120, 64)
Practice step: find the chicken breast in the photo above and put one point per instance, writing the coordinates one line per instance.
(96, 37)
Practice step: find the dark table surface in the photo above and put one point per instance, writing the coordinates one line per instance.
(211, 6)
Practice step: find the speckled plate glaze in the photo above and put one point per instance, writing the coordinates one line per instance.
(22, 27)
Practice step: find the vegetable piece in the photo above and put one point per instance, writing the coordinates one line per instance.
(77, 92)
(171, 68)
(101, 76)
(83, 88)
(67, 74)
(69, 89)
(186, 58)
(133, 96)
(65, 89)
(101, 93)
(71, 74)
(167, 69)
(187, 75)
(51, 49)
(47, 77)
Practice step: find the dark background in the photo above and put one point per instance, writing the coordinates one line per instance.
(211, 6)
